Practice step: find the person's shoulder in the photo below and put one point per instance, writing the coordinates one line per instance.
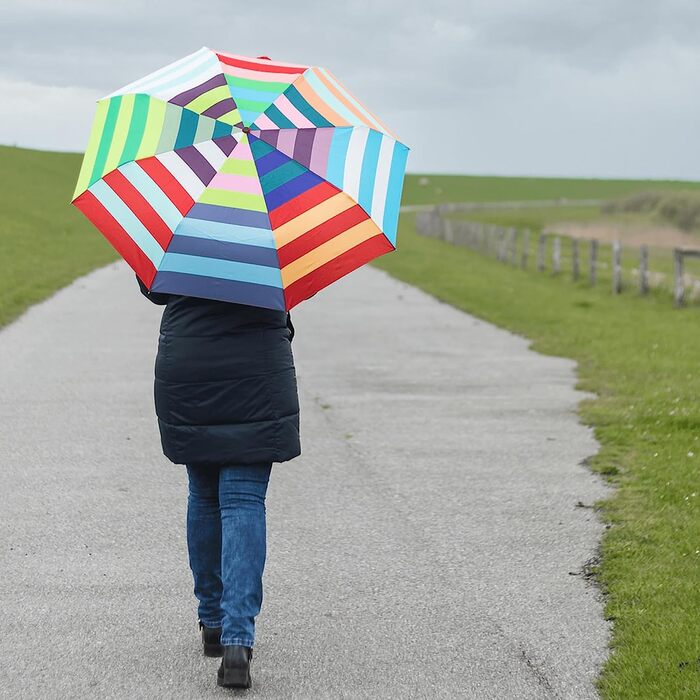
(156, 297)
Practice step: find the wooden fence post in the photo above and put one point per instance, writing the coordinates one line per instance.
(575, 271)
(526, 248)
(541, 243)
(556, 255)
(502, 243)
(678, 286)
(513, 244)
(643, 269)
(449, 230)
(436, 222)
(593, 261)
(440, 219)
(458, 232)
(617, 267)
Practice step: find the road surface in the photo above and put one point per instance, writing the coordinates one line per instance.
(427, 544)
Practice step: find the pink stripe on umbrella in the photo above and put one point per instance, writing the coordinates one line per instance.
(322, 147)
(286, 140)
(292, 113)
(236, 183)
(264, 122)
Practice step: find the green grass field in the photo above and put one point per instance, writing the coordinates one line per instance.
(638, 355)
(467, 188)
(534, 218)
(45, 243)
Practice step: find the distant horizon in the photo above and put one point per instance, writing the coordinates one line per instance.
(441, 174)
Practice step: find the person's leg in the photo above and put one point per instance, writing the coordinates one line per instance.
(204, 542)
(242, 491)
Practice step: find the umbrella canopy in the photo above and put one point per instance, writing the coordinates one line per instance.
(241, 179)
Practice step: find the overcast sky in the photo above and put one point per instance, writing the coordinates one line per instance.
(604, 88)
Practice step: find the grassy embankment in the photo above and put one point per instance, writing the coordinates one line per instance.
(45, 243)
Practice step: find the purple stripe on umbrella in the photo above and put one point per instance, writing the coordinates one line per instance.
(226, 144)
(223, 250)
(322, 147)
(199, 165)
(186, 97)
(217, 288)
(304, 146)
(269, 136)
(229, 215)
(220, 108)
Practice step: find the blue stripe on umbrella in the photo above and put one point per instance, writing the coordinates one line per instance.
(187, 130)
(223, 250)
(231, 233)
(225, 269)
(270, 162)
(291, 189)
(393, 193)
(223, 289)
(229, 215)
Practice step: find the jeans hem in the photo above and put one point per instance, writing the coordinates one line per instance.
(212, 626)
(237, 640)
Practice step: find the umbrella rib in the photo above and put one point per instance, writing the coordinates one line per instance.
(267, 209)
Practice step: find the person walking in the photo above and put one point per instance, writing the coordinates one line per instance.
(226, 400)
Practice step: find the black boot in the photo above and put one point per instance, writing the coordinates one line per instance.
(211, 640)
(234, 671)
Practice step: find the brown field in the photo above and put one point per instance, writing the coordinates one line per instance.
(659, 236)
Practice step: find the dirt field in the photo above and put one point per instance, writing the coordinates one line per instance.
(631, 234)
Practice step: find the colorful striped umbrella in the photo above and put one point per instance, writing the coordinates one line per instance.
(240, 179)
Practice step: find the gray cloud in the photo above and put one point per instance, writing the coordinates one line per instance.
(597, 87)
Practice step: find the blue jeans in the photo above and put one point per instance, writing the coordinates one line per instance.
(226, 542)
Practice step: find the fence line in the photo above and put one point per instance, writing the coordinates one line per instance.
(502, 243)
(457, 207)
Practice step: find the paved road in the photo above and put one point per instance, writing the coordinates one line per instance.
(420, 548)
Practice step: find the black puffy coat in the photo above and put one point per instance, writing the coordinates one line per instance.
(225, 383)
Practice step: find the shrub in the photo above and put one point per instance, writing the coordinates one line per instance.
(682, 209)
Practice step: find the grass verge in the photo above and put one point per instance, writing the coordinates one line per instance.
(639, 355)
(45, 243)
